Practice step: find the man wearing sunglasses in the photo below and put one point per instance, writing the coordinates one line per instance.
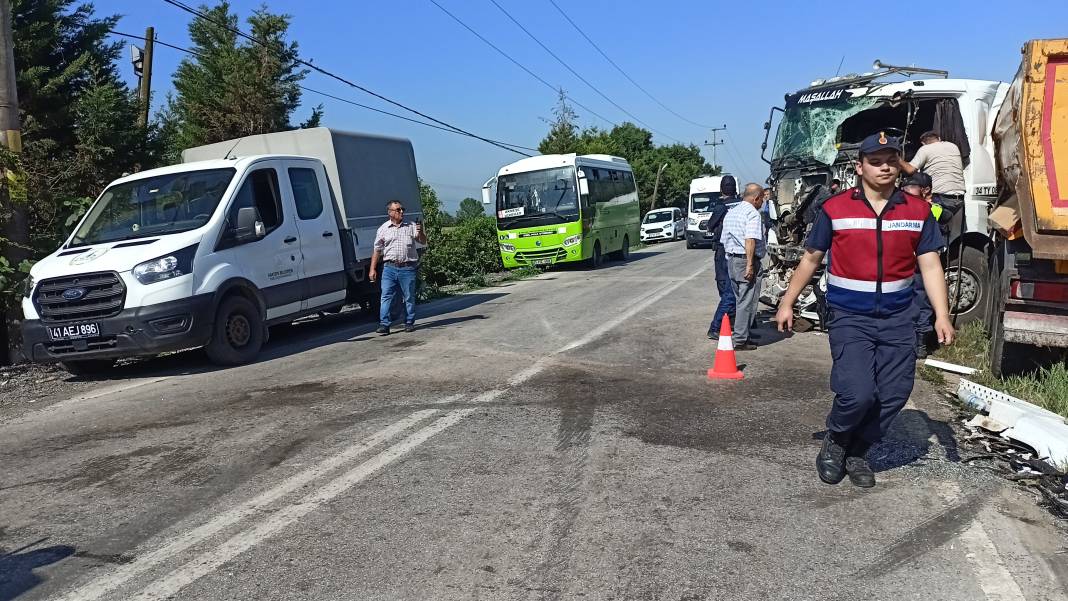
(397, 245)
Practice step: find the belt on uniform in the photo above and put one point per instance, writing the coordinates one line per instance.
(402, 263)
(951, 196)
(742, 256)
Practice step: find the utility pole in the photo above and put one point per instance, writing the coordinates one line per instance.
(715, 142)
(656, 184)
(16, 228)
(144, 91)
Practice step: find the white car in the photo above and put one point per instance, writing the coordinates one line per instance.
(663, 224)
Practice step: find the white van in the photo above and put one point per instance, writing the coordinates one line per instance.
(663, 224)
(211, 252)
(704, 191)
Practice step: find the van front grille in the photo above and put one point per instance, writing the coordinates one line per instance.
(97, 295)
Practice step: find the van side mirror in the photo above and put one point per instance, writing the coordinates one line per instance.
(249, 226)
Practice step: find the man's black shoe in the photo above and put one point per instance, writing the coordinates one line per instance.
(409, 327)
(921, 345)
(712, 336)
(860, 473)
(746, 346)
(830, 463)
(383, 330)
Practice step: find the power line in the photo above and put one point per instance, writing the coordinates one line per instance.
(576, 73)
(620, 69)
(521, 65)
(327, 95)
(313, 67)
(737, 157)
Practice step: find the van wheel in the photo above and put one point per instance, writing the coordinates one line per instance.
(239, 332)
(88, 367)
(624, 253)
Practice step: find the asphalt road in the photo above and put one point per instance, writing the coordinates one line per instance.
(555, 438)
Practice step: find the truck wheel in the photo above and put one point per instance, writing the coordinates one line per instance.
(239, 332)
(624, 253)
(88, 367)
(971, 302)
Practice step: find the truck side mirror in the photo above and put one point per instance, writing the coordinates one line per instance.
(249, 226)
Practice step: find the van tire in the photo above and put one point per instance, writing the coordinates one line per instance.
(88, 367)
(239, 332)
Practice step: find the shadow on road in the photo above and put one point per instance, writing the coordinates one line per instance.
(16, 568)
(909, 440)
(348, 326)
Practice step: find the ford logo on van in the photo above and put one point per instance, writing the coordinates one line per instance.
(73, 294)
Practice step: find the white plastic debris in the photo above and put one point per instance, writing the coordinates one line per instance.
(952, 367)
(1044, 431)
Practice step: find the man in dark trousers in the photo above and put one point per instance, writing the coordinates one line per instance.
(728, 197)
(876, 236)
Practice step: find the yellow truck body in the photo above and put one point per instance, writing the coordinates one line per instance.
(1031, 138)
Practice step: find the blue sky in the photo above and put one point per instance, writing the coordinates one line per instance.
(713, 62)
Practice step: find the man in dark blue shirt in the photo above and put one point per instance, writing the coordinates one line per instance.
(728, 190)
(877, 236)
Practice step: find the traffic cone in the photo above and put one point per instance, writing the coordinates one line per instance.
(724, 367)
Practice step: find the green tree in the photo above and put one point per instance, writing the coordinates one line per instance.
(234, 87)
(684, 161)
(469, 209)
(79, 129)
(563, 133)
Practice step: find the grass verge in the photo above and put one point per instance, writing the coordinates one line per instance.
(1046, 386)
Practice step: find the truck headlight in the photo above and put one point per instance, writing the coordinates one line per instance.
(508, 248)
(164, 268)
(572, 240)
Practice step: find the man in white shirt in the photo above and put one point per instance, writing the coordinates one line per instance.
(397, 245)
(744, 243)
(942, 161)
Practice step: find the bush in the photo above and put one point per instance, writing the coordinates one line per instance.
(466, 252)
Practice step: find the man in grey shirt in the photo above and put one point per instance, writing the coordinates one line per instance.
(941, 160)
(744, 243)
(397, 245)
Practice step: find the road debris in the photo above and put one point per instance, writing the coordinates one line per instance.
(951, 367)
(1024, 443)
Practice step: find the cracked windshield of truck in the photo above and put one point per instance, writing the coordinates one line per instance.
(546, 197)
(809, 130)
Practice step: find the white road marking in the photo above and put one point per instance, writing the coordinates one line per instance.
(993, 577)
(185, 540)
(288, 514)
(990, 571)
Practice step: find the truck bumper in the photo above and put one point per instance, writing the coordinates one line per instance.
(1036, 329)
(134, 332)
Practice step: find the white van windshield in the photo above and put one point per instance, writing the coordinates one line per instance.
(165, 204)
(702, 202)
(658, 217)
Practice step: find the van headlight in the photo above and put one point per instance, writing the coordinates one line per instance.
(170, 266)
(508, 248)
(691, 221)
(572, 240)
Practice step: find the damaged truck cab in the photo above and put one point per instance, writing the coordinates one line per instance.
(816, 142)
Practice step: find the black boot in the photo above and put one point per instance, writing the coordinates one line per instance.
(856, 464)
(830, 463)
(921, 345)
